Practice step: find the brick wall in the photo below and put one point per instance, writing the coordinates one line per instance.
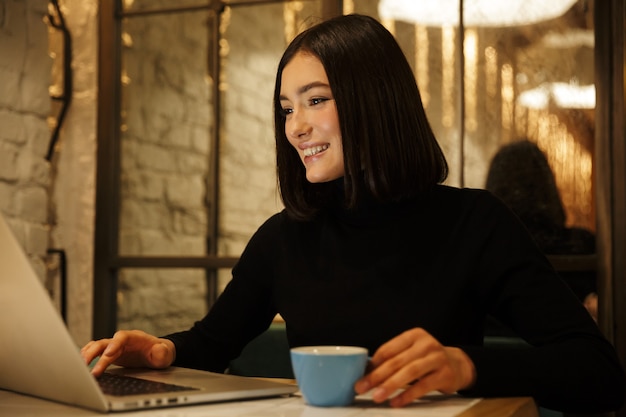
(24, 133)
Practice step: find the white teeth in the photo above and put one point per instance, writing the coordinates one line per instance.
(315, 150)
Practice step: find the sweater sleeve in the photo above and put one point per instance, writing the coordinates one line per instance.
(519, 287)
(243, 311)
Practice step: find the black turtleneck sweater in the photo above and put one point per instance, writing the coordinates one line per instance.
(441, 262)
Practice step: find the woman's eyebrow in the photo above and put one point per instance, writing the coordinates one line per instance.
(306, 88)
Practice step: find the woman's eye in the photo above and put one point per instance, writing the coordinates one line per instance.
(285, 112)
(317, 100)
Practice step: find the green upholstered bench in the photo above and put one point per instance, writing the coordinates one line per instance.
(265, 356)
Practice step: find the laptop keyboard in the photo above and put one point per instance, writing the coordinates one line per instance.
(120, 385)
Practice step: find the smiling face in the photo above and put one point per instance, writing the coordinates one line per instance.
(311, 120)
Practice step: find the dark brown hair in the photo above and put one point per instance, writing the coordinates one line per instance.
(390, 151)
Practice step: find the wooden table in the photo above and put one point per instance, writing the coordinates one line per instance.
(503, 407)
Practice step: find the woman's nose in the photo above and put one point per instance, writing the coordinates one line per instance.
(297, 125)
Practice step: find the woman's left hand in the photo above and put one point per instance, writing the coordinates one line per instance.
(415, 360)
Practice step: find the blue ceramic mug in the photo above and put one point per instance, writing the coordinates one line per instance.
(326, 374)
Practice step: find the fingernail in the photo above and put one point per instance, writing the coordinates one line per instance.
(379, 395)
(362, 387)
(395, 402)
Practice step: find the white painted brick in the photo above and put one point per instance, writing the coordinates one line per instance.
(32, 169)
(8, 161)
(200, 139)
(190, 222)
(180, 137)
(143, 185)
(195, 84)
(37, 239)
(246, 80)
(158, 243)
(129, 151)
(32, 204)
(12, 127)
(9, 87)
(162, 300)
(34, 95)
(38, 7)
(37, 133)
(37, 65)
(240, 102)
(200, 112)
(167, 104)
(185, 191)
(191, 163)
(14, 35)
(17, 226)
(153, 157)
(129, 243)
(7, 198)
(34, 253)
(143, 214)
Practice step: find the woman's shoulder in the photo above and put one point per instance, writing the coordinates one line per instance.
(464, 197)
(273, 223)
(277, 223)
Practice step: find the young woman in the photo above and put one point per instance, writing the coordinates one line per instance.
(372, 250)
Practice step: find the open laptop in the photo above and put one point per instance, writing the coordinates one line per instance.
(38, 356)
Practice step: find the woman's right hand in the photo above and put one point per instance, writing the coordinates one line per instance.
(129, 348)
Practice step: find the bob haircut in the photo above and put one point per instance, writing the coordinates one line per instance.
(390, 151)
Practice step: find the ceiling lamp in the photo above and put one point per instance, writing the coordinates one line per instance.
(476, 12)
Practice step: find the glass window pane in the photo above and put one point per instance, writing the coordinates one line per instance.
(166, 134)
(535, 83)
(255, 38)
(160, 300)
(526, 73)
(248, 163)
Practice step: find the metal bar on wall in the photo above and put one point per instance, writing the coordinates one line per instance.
(461, 94)
(108, 171)
(214, 66)
(610, 113)
(206, 262)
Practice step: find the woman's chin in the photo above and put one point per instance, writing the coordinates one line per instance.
(320, 179)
